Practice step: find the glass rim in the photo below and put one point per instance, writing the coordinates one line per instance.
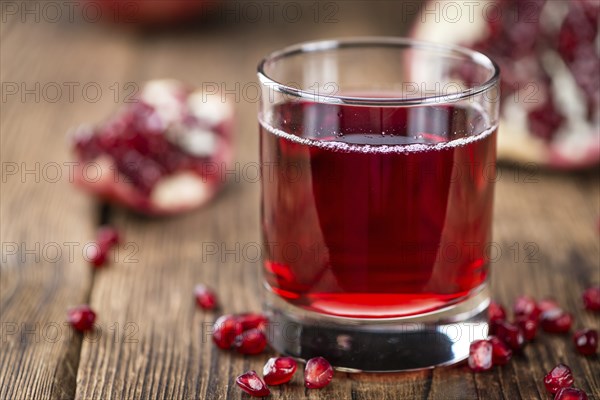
(377, 41)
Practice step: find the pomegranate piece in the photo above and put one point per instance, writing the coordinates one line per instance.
(570, 393)
(553, 49)
(205, 297)
(225, 329)
(496, 312)
(586, 341)
(81, 318)
(252, 341)
(511, 335)
(501, 353)
(528, 326)
(107, 235)
(556, 321)
(251, 383)
(279, 370)
(480, 355)
(318, 373)
(591, 298)
(253, 320)
(525, 306)
(162, 154)
(559, 377)
(98, 254)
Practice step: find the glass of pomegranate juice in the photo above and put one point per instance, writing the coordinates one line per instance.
(378, 168)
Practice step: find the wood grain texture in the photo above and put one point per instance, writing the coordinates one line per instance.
(152, 342)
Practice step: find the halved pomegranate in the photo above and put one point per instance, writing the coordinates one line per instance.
(162, 154)
(547, 52)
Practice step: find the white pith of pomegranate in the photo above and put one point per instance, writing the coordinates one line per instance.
(548, 53)
(159, 155)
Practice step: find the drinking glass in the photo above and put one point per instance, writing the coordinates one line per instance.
(378, 168)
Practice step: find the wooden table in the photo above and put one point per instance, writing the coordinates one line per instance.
(152, 341)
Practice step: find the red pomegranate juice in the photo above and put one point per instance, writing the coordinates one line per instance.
(376, 212)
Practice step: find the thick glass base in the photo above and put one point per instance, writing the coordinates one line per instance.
(380, 345)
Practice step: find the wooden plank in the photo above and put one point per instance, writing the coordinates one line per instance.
(45, 222)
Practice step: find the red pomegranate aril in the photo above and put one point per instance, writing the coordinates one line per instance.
(525, 305)
(511, 335)
(556, 321)
(547, 304)
(225, 330)
(559, 377)
(252, 341)
(253, 320)
(279, 370)
(205, 297)
(570, 393)
(501, 353)
(318, 373)
(98, 254)
(108, 235)
(591, 298)
(586, 341)
(528, 326)
(480, 355)
(496, 312)
(251, 383)
(81, 318)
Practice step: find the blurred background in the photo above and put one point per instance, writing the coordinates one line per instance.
(66, 63)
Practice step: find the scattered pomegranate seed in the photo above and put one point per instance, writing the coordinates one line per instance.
(586, 341)
(252, 341)
(317, 373)
(225, 330)
(511, 335)
(251, 383)
(501, 353)
(528, 326)
(525, 306)
(108, 235)
(205, 297)
(547, 304)
(252, 320)
(496, 312)
(279, 370)
(591, 298)
(98, 254)
(559, 377)
(81, 318)
(480, 355)
(570, 394)
(556, 321)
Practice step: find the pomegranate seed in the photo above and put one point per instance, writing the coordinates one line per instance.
(525, 306)
(251, 383)
(205, 297)
(252, 320)
(556, 321)
(81, 317)
(480, 355)
(252, 341)
(528, 326)
(98, 254)
(591, 298)
(546, 305)
(586, 341)
(570, 394)
(317, 373)
(501, 353)
(108, 235)
(559, 377)
(496, 312)
(511, 335)
(279, 370)
(225, 330)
